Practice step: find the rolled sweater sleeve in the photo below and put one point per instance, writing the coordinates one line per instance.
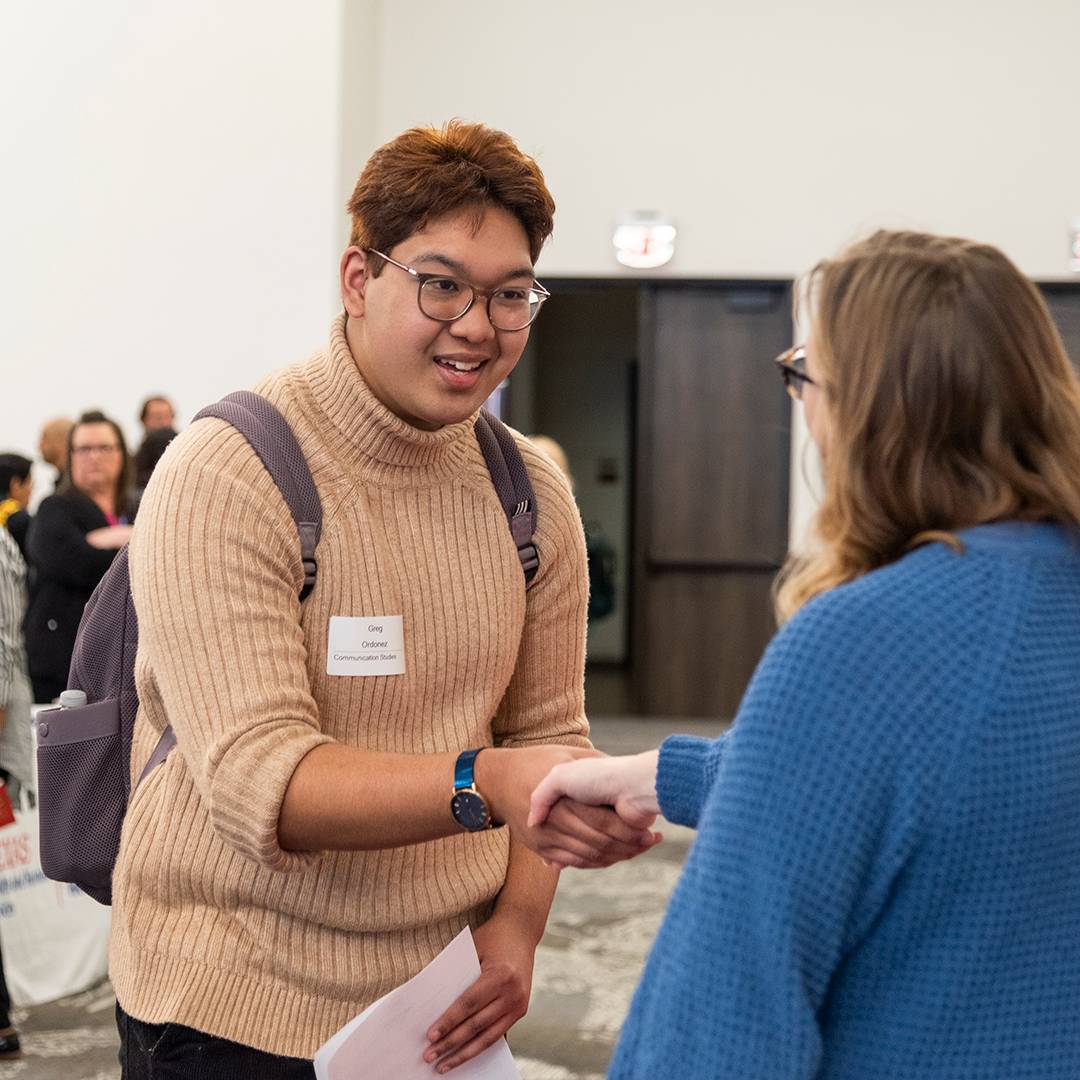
(685, 774)
(545, 701)
(215, 575)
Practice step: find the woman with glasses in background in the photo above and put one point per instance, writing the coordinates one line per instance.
(886, 877)
(72, 541)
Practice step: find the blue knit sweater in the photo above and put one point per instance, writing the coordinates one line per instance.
(885, 884)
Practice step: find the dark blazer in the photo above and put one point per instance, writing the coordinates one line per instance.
(66, 571)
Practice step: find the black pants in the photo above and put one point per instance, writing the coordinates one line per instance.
(175, 1052)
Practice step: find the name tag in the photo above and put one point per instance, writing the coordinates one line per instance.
(372, 645)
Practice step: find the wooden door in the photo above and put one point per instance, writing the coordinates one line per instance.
(712, 505)
(1064, 303)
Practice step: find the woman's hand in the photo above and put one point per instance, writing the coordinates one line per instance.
(110, 537)
(628, 784)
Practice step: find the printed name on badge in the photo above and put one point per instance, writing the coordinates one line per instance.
(370, 645)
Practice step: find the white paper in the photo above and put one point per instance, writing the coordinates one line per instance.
(369, 645)
(389, 1038)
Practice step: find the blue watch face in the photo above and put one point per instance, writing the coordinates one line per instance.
(470, 811)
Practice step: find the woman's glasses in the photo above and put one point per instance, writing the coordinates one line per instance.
(792, 365)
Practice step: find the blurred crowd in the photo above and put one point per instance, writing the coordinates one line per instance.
(54, 550)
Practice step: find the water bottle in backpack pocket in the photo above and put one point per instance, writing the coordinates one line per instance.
(82, 785)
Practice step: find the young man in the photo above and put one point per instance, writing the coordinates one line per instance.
(296, 857)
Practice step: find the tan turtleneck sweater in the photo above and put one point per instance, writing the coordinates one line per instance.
(215, 926)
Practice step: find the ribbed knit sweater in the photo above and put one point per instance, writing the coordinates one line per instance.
(885, 884)
(215, 925)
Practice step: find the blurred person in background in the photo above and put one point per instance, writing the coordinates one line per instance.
(557, 454)
(16, 485)
(73, 540)
(15, 697)
(148, 455)
(16, 740)
(598, 549)
(885, 880)
(53, 444)
(157, 412)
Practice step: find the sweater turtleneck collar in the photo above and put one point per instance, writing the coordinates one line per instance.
(368, 425)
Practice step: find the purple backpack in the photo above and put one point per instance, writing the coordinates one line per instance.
(84, 753)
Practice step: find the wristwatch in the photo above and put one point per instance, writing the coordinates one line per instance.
(466, 803)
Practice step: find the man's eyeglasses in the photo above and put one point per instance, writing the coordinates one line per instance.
(792, 365)
(447, 299)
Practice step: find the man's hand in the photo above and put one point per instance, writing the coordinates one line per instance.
(628, 784)
(494, 1003)
(568, 835)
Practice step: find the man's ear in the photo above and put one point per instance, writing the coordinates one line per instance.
(354, 280)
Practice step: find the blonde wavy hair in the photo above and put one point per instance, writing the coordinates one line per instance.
(949, 402)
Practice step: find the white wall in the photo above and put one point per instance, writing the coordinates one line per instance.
(172, 199)
(361, 76)
(174, 175)
(772, 132)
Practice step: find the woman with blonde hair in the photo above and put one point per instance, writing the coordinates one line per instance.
(886, 877)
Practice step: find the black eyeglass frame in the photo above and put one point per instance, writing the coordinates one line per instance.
(422, 279)
(795, 378)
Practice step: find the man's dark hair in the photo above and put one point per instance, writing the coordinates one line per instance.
(12, 467)
(150, 401)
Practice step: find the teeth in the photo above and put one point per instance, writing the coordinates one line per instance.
(460, 365)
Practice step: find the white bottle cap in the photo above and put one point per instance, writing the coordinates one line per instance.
(72, 699)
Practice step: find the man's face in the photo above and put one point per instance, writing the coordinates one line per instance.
(426, 372)
(159, 414)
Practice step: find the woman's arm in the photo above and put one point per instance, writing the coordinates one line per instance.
(58, 547)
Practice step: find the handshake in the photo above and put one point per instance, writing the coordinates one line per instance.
(574, 807)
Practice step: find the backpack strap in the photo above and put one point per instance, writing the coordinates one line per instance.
(273, 440)
(512, 485)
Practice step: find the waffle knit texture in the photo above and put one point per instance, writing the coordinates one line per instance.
(215, 925)
(885, 884)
